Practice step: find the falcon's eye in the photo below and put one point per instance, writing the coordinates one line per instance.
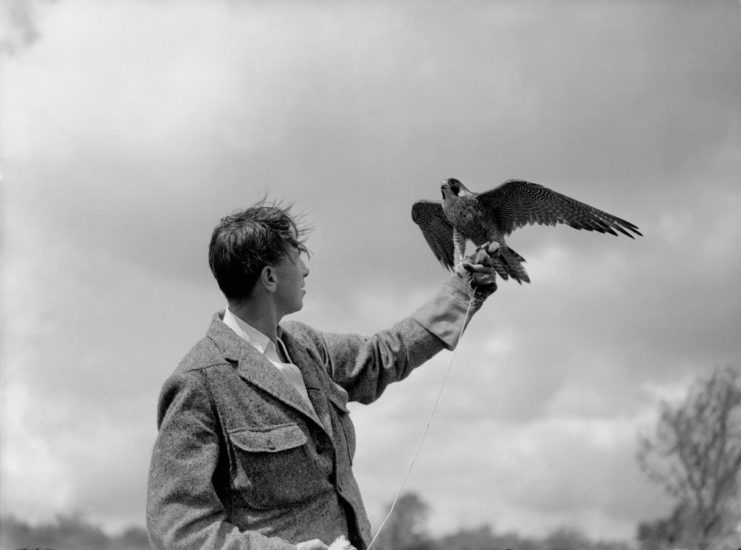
(454, 186)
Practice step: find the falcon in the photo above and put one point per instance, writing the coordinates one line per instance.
(487, 218)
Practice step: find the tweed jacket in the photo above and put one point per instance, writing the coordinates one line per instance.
(241, 462)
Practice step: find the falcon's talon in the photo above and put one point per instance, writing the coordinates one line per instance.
(493, 247)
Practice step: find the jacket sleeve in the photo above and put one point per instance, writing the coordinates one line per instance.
(183, 509)
(364, 366)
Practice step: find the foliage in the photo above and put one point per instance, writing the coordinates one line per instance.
(695, 455)
(483, 538)
(70, 532)
(567, 539)
(405, 528)
(664, 532)
(408, 531)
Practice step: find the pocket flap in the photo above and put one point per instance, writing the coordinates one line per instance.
(269, 440)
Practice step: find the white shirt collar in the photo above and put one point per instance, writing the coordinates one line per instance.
(265, 345)
(250, 334)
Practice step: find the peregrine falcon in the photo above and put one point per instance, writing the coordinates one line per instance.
(486, 218)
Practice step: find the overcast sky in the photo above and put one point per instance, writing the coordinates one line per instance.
(130, 127)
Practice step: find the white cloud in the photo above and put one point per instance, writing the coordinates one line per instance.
(532, 478)
(30, 464)
(145, 86)
(90, 340)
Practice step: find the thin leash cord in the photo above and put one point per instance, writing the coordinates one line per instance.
(426, 430)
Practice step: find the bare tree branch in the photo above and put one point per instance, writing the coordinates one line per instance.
(695, 454)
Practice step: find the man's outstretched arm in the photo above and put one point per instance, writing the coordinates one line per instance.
(364, 366)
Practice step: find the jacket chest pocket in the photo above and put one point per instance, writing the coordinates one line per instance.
(338, 398)
(271, 466)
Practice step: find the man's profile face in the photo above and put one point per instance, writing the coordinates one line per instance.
(290, 272)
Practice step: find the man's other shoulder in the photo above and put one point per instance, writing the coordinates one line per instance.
(203, 355)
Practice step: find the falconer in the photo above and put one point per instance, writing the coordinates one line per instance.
(255, 443)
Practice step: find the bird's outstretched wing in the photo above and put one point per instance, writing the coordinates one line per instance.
(438, 233)
(516, 203)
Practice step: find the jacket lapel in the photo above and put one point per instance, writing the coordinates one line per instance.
(315, 385)
(256, 369)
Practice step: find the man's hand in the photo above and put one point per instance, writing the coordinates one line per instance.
(315, 544)
(341, 543)
(481, 272)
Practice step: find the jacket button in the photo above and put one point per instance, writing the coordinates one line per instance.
(270, 444)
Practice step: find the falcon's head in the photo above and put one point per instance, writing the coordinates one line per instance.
(452, 188)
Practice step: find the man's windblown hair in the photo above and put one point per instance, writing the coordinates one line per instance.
(246, 241)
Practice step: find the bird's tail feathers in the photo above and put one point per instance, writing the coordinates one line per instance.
(508, 263)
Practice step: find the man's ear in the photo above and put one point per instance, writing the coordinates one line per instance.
(268, 278)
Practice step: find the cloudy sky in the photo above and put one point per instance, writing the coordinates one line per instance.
(130, 127)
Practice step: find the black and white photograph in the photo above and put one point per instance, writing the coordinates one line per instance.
(372, 275)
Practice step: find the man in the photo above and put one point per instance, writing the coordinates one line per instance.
(255, 443)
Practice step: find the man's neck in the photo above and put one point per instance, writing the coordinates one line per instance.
(258, 315)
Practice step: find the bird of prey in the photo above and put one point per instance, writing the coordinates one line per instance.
(487, 218)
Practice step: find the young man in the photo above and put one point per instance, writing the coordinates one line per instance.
(255, 443)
